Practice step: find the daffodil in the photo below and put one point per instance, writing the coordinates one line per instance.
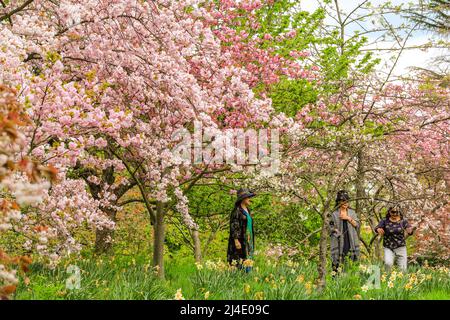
(393, 277)
(259, 295)
(211, 265)
(179, 295)
(308, 287)
(199, 266)
(248, 263)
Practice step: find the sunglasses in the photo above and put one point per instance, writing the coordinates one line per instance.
(394, 213)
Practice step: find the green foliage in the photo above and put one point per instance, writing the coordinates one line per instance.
(290, 96)
(288, 224)
(282, 16)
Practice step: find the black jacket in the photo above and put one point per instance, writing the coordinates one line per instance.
(238, 228)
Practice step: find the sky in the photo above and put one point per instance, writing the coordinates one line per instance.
(408, 58)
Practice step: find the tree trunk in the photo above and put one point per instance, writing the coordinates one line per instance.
(197, 247)
(359, 184)
(158, 240)
(378, 250)
(104, 238)
(323, 250)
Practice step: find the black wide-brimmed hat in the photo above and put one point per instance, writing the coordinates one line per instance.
(342, 196)
(243, 194)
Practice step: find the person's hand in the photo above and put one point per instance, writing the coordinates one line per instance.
(336, 232)
(343, 215)
(237, 244)
(380, 231)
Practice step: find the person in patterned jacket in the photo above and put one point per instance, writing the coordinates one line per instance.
(394, 229)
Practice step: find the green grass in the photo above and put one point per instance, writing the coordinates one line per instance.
(127, 277)
(433, 295)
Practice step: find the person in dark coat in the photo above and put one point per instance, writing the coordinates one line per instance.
(241, 242)
(344, 225)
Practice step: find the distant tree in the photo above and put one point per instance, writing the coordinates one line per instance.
(433, 15)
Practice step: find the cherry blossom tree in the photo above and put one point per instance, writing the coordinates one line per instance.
(415, 161)
(108, 84)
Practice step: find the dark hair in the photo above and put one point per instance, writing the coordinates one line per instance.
(237, 204)
(394, 208)
(342, 196)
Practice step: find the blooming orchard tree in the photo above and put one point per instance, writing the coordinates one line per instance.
(414, 162)
(30, 65)
(112, 83)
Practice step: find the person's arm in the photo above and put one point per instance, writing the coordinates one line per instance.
(380, 227)
(407, 226)
(235, 228)
(353, 219)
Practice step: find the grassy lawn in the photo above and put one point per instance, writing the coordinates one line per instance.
(126, 277)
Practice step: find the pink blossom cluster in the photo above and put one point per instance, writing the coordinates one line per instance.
(53, 226)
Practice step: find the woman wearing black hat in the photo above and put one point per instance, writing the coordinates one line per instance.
(241, 242)
(344, 224)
